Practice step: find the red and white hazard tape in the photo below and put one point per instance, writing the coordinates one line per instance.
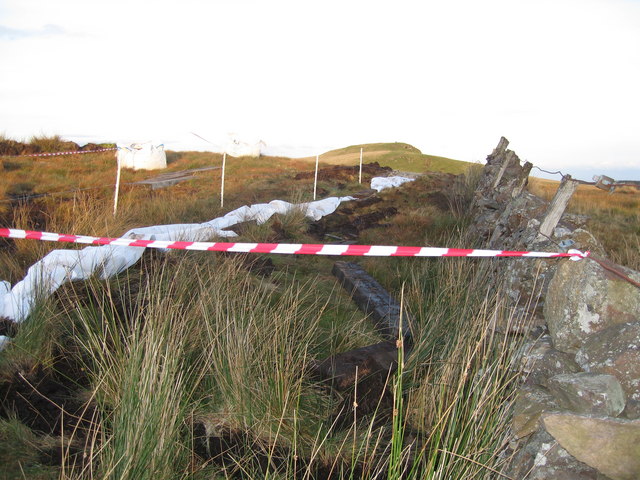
(63, 153)
(287, 248)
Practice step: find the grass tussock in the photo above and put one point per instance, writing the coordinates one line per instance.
(463, 377)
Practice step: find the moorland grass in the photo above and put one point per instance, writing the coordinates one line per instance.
(399, 156)
(614, 218)
(188, 338)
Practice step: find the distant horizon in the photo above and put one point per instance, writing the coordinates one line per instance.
(192, 143)
(558, 78)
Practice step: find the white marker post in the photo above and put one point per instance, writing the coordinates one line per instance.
(115, 200)
(224, 162)
(315, 180)
(360, 176)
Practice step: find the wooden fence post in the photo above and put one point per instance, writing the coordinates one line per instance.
(557, 206)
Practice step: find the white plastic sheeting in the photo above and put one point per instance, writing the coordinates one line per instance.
(142, 156)
(60, 266)
(380, 183)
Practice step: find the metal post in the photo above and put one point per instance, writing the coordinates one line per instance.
(115, 200)
(360, 175)
(315, 179)
(224, 162)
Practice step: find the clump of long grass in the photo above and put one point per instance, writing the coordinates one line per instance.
(204, 340)
(257, 350)
(140, 363)
(51, 143)
(19, 451)
(461, 195)
(459, 380)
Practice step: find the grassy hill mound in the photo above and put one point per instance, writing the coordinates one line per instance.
(399, 156)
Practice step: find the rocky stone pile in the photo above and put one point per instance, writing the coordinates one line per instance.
(577, 413)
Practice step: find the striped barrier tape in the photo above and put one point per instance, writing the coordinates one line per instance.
(63, 153)
(286, 248)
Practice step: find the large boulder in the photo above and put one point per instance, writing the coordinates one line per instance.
(610, 445)
(615, 351)
(584, 298)
(588, 393)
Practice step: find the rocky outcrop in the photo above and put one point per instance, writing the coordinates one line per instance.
(581, 382)
(540, 361)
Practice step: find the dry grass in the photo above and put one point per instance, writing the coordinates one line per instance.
(191, 335)
(614, 218)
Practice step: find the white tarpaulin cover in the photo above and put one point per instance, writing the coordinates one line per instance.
(60, 266)
(380, 183)
(142, 156)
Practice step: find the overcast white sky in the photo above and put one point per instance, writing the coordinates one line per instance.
(559, 78)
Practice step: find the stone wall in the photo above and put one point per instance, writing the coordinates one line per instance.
(577, 413)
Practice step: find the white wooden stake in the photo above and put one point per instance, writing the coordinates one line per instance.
(360, 175)
(115, 200)
(224, 162)
(315, 180)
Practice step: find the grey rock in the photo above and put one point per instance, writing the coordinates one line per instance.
(632, 409)
(615, 351)
(542, 458)
(552, 363)
(531, 353)
(531, 402)
(583, 298)
(586, 242)
(610, 445)
(574, 220)
(588, 393)
(538, 361)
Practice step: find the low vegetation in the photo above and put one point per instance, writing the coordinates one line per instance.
(613, 217)
(195, 365)
(399, 156)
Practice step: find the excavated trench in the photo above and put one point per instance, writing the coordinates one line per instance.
(52, 401)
